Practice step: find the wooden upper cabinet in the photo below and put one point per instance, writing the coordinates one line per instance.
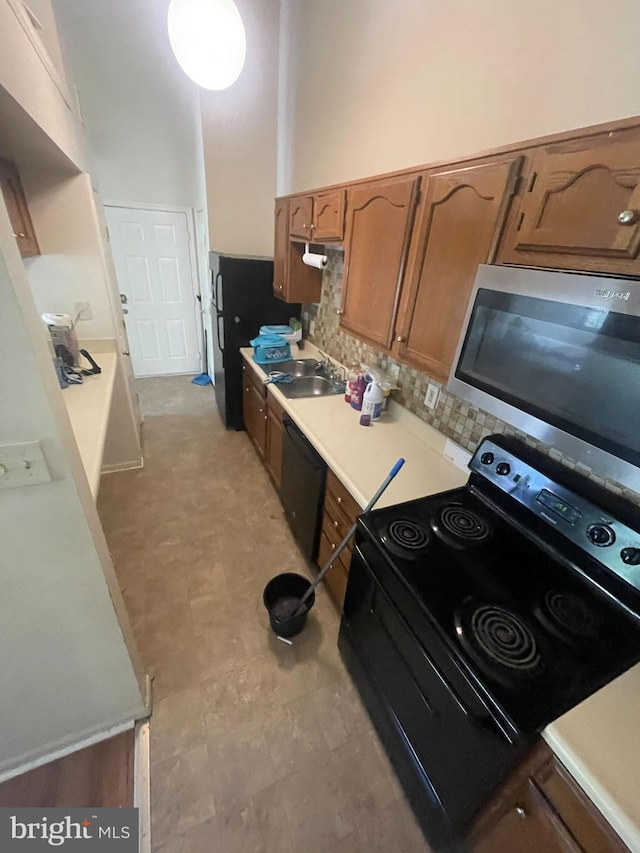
(581, 209)
(458, 225)
(328, 215)
(378, 229)
(281, 246)
(19, 215)
(301, 217)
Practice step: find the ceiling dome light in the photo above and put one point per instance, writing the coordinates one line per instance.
(208, 39)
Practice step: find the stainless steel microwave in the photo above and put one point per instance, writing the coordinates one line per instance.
(557, 355)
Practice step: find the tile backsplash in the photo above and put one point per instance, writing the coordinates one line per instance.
(462, 422)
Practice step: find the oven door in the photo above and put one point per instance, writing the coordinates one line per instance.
(558, 355)
(448, 760)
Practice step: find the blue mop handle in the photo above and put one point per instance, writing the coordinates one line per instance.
(392, 473)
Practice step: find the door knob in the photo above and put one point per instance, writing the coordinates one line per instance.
(627, 217)
(125, 352)
(125, 310)
(401, 339)
(521, 812)
(123, 298)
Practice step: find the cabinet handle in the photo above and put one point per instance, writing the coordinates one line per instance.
(627, 217)
(260, 411)
(521, 812)
(305, 226)
(21, 234)
(339, 312)
(333, 546)
(401, 339)
(335, 524)
(339, 500)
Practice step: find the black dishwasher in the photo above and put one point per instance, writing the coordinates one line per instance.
(302, 490)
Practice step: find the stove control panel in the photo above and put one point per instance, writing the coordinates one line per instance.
(609, 541)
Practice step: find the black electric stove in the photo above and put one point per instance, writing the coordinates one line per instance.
(475, 617)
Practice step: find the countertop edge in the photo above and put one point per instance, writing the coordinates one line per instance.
(91, 453)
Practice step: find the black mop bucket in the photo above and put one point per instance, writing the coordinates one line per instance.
(289, 597)
(281, 597)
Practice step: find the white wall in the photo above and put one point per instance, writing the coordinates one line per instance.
(70, 268)
(240, 127)
(141, 112)
(65, 671)
(382, 85)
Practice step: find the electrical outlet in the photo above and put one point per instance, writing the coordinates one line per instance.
(312, 327)
(431, 397)
(83, 310)
(22, 464)
(394, 371)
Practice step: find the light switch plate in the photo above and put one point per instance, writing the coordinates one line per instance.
(22, 464)
(312, 327)
(431, 397)
(456, 454)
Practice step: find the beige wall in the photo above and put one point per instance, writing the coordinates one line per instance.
(239, 130)
(381, 85)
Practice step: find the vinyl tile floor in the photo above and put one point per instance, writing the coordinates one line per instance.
(256, 746)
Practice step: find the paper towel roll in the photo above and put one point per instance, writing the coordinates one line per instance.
(313, 260)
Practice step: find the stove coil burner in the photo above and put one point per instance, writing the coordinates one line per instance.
(497, 637)
(568, 616)
(406, 538)
(461, 527)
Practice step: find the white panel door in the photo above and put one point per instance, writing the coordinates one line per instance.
(152, 257)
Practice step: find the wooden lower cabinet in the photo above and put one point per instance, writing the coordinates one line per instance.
(255, 410)
(340, 513)
(542, 810)
(275, 434)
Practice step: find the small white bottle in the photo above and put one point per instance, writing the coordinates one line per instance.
(372, 401)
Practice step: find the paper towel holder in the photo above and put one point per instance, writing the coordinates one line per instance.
(312, 259)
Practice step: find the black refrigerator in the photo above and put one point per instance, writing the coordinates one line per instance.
(242, 300)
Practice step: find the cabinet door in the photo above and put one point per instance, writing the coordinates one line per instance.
(458, 226)
(328, 215)
(281, 247)
(17, 209)
(582, 207)
(275, 432)
(378, 228)
(531, 825)
(300, 217)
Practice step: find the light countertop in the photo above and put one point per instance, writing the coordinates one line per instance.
(598, 741)
(361, 457)
(88, 406)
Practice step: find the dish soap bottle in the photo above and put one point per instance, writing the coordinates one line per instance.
(372, 401)
(352, 378)
(357, 391)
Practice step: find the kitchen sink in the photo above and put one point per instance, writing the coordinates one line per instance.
(310, 386)
(299, 367)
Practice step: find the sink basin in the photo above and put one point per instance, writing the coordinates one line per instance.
(308, 386)
(298, 367)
